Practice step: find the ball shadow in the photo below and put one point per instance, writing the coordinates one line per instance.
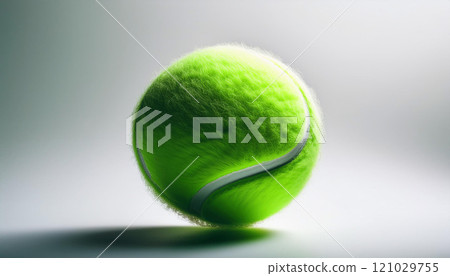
(135, 242)
(172, 237)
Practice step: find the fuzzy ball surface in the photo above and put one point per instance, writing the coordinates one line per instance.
(243, 87)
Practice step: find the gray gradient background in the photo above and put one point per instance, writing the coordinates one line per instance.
(70, 76)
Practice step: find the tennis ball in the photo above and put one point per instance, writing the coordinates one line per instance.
(254, 153)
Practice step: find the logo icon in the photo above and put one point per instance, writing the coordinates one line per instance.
(142, 117)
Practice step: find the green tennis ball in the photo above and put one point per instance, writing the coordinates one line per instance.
(237, 178)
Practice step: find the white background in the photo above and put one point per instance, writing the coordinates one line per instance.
(70, 76)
